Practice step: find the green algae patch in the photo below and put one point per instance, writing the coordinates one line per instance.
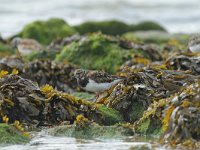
(51, 55)
(146, 25)
(110, 115)
(114, 27)
(94, 131)
(96, 52)
(6, 50)
(136, 111)
(46, 31)
(157, 37)
(10, 135)
(111, 27)
(149, 127)
(85, 128)
(84, 95)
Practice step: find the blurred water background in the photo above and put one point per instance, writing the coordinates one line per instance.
(174, 15)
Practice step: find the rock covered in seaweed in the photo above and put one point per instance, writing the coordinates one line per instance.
(114, 27)
(44, 71)
(24, 101)
(85, 128)
(175, 117)
(59, 75)
(183, 126)
(133, 96)
(98, 51)
(185, 61)
(21, 99)
(46, 31)
(62, 107)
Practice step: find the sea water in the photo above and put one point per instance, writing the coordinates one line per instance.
(174, 15)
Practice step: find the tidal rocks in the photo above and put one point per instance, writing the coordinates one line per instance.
(64, 107)
(46, 31)
(133, 96)
(84, 128)
(175, 117)
(186, 62)
(24, 101)
(183, 125)
(20, 99)
(44, 71)
(159, 93)
(59, 75)
(101, 52)
(12, 62)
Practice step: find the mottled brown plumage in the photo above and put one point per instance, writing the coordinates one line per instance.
(95, 81)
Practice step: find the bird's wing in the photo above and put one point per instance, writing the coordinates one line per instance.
(101, 77)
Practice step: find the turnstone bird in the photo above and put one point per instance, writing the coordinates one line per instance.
(95, 81)
(194, 43)
(26, 46)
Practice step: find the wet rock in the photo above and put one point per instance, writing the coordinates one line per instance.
(133, 96)
(20, 99)
(186, 62)
(24, 101)
(84, 128)
(64, 107)
(182, 123)
(12, 62)
(175, 117)
(151, 51)
(58, 45)
(59, 75)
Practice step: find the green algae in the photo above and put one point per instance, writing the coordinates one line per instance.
(10, 135)
(136, 112)
(114, 27)
(51, 55)
(157, 37)
(84, 95)
(149, 127)
(97, 52)
(91, 131)
(6, 50)
(46, 31)
(147, 25)
(110, 115)
(111, 27)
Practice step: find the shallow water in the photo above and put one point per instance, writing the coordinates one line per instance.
(175, 15)
(46, 142)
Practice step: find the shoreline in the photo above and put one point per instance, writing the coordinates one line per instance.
(158, 96)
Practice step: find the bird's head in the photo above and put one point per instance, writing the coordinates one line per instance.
(79, 74)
